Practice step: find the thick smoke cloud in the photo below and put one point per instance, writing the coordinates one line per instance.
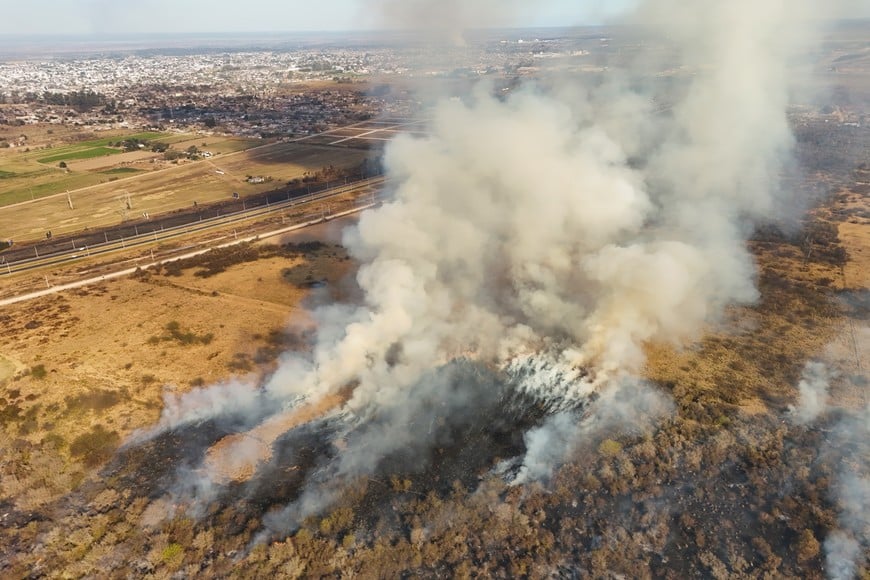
(553, 233)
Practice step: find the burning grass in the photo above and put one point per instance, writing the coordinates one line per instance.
(237, 457)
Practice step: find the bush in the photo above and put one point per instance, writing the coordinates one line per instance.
(38, 372)
(172, 553)
(610, 448)
(96, 446)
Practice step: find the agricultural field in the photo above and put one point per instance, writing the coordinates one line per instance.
(38, 162)
(105, 193)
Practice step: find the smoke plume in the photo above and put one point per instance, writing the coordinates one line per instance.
(813, 393)
(629, 407)
(550, 235)
(847, 548)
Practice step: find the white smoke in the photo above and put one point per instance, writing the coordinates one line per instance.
(842, 552)
(566, 222)
(629, 406)
(813, 393)
(847, 548)
(224, 400)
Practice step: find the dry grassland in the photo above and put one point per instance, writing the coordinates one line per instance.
(80, 371)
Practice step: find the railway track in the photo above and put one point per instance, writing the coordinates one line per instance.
(79, 251)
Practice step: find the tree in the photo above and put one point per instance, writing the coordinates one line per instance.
(807, 546)
(62, 164)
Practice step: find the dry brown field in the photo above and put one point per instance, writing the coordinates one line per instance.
(101, 357)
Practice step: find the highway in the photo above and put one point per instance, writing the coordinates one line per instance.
(372, 185)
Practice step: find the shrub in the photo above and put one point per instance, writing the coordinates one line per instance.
(38, 372)
(95, 446)
(172, 553)
(98, 400)
(610, 448)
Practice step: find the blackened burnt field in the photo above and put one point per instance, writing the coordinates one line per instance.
(459, 448)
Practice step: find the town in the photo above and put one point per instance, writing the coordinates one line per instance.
(262, 93)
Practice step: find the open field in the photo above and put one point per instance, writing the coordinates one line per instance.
(31, 169)
(368, 133)
(176, 187)
(80, 154)
(116, 161)
(82, 371)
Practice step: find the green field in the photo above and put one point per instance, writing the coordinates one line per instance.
(93, 148)
(33, 174)
(80, 154)
(42, 188)
(146, 136)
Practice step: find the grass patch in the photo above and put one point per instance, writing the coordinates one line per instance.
(610, 448)
(172, 555)
(38, 372)
(241, 362)
(175, 333)
(9, 412)
(44, 183)
(7, 174)
(80, 154)
(218, 260)
(96, 446)
(106, 141)
(54, 440)
(121, 171)
(98, 400)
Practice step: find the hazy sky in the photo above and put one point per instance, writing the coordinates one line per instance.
(137, 16)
